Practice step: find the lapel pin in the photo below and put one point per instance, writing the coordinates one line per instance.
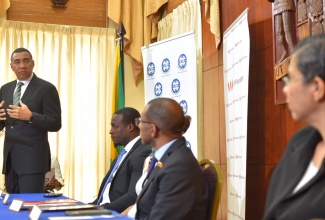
(160, 164)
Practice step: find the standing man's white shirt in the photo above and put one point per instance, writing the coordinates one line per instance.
(24, 87)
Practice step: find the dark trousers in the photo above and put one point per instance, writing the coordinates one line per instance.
(23, 183)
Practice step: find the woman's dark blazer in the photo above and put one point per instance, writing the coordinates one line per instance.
(309, 201)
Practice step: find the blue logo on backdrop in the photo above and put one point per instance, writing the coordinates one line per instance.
(184, 106)
(176, 86)
(158, 89)
(188, 144)
(151, 69)
(165, 65)
(182, 61)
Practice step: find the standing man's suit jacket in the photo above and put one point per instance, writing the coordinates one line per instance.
(28, 142)
(122, 190)
(309, 201)
(175, 189)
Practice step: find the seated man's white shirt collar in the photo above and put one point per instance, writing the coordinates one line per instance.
(128, 148)
(161, 151)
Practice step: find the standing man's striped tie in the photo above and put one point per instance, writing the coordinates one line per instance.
(17, 94)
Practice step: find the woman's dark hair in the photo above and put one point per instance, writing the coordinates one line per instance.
(310, 57)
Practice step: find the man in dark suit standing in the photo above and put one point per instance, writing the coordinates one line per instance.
(117, 191)
(29, 109)
(175, 188)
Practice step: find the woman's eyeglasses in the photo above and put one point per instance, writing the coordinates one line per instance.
(287, 80)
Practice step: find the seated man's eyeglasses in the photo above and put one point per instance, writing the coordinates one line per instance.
(137, 122)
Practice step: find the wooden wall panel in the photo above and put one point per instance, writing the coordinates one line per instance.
(80, 13)
(258, 177)
(291, 127)
(262, 11)
(211, 115)
(268, 114)
(253, 177)
(252, 131)
(209, 52)
(262, 36)
(222, 117)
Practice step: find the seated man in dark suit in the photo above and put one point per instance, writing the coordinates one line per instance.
(117, 191)
(175, 188)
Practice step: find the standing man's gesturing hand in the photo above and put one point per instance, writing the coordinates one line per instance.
(22, 113)
(2, 111)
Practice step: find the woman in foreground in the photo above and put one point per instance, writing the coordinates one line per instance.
(297, 188)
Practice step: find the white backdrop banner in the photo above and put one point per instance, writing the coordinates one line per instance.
(170, 71)
(236, 46)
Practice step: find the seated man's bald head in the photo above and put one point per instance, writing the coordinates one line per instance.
(168, 116)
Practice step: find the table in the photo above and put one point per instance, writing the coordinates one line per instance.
(5, 213)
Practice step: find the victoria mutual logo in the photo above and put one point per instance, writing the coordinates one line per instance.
(232, 83)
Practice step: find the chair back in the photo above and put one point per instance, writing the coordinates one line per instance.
(213, 177)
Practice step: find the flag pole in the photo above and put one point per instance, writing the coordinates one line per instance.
(121, 32)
